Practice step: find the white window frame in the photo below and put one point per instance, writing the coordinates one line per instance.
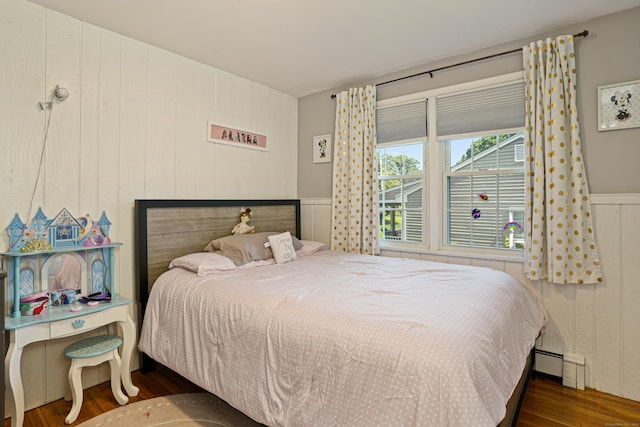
(435, 199)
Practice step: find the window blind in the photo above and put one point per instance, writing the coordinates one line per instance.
(501, 107)
(401, 122)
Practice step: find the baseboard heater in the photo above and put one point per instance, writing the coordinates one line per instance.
(548, 363)
(568, 366)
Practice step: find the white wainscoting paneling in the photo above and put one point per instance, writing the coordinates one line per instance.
(316, 220)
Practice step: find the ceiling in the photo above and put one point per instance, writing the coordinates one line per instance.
(303, 47)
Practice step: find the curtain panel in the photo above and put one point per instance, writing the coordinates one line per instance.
(559, 239)
(354, 207)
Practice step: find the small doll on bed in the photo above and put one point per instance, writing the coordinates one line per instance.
(242, 227)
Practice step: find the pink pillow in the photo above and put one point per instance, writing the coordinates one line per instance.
(309, 247)
(203, 263)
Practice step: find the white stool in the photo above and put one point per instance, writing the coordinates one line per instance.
(91, 352)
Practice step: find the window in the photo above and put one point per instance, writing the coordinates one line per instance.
(485, 186)
(401, 136)
(518, 153)
(400, 191)
(463, 185)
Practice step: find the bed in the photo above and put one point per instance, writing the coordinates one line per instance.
(330, 338)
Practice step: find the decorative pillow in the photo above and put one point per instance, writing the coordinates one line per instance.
(203, 263)
(242, 248)
(282, 247)
(309, 247)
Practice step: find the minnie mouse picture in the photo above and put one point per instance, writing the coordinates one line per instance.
(622, 102)
(322, 149)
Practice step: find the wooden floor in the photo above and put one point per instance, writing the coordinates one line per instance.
(546, 403)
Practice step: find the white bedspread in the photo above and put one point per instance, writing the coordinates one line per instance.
(348, 340)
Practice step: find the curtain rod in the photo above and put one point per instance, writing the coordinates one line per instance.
(584, 33)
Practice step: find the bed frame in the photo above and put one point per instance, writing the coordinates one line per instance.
(166, 229)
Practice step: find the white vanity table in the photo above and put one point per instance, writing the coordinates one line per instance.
(59, 322)
(64, 254)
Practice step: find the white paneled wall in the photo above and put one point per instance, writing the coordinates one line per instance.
(601, 321)
(316, 220)
(134, 126)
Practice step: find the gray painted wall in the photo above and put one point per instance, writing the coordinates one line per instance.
(610, 54)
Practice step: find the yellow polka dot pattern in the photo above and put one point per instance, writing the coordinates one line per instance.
(354, 207)
(560, 244)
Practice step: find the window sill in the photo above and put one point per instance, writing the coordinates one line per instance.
(455, 252)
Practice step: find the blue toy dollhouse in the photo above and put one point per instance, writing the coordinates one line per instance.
(62, 230)
(58, 255)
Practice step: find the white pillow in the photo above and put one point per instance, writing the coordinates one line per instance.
(309, 247)
(282, 247)
(203, 263)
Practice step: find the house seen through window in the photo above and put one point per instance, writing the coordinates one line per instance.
(400, 191)
(463, 171)
(485, 191)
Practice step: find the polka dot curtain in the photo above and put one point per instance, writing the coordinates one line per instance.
(354, 207)
(560, 245)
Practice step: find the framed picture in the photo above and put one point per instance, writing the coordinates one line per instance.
(243, 138)
(322, 149)
(619, 106)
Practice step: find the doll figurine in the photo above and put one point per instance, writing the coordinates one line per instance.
(242, 227)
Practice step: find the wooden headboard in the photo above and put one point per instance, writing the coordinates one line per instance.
(166, 229)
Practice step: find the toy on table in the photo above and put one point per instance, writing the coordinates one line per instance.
(97, 297)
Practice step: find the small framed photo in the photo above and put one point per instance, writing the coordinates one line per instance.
(619, 106)
(322, 149)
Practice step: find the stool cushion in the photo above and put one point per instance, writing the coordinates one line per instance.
(93, 346)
